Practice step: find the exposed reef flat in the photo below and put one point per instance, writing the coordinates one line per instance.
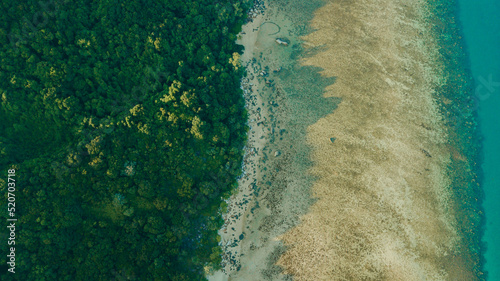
(348, 173)
(386, 208)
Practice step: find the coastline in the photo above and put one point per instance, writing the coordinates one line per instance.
(243, 201)
(362, 185)
(283, 98)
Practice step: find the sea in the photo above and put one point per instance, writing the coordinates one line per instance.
(480, 20)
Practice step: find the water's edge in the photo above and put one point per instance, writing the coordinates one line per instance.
(464, 135)
(457, 107)
(481, 32)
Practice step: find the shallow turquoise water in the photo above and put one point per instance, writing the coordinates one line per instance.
(481, 27)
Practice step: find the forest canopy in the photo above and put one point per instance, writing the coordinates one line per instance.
(125, 123)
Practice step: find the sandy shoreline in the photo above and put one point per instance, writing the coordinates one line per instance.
(243, 202)
(345, 174)
(273, 192)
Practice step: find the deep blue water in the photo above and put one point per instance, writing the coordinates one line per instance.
(481, 29)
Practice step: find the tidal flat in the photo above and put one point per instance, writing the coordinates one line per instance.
(366, 166)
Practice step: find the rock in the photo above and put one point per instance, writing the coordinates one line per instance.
(277, 153)
(281, 42)
(332, 139)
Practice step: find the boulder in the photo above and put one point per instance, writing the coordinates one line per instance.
(281, 42)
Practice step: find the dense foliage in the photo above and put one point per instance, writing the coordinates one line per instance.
(125, 123)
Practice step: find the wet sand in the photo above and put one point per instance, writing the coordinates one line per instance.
(274, 190)
(345, 176)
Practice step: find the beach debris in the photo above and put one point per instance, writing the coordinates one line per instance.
(281, 42)
(333, 139)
